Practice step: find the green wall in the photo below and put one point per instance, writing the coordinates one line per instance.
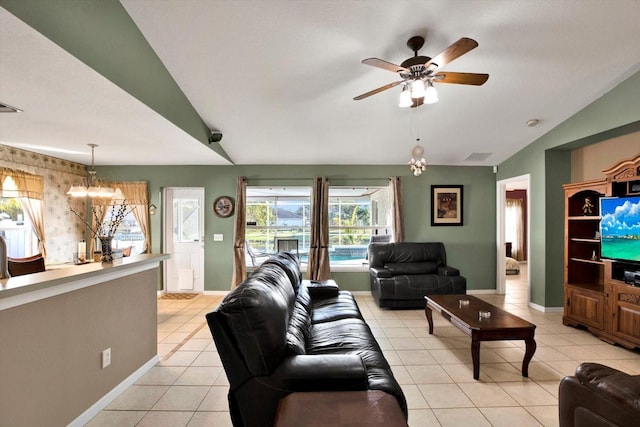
(548, 162)
(471, 248)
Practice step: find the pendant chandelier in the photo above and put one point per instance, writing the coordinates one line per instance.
(92, 186)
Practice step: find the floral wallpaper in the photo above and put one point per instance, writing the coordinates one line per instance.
(63, 229)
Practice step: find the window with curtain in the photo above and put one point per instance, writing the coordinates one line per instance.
(134, 232)
(16, 227)
(21, 213)
(355, 214)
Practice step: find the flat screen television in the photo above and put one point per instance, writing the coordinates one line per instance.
(620, 228)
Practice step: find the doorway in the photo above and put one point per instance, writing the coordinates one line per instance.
(183, 230)
(522, 184)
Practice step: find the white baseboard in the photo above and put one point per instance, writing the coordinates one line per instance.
(105, 400)
(480, 291)
(215, 292)
(544, 309)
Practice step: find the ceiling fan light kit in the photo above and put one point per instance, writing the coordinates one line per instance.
(405, 97)
(418, 73)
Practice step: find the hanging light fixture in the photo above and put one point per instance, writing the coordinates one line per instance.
(93, 187)
(417, 88)
(430, 93)
(405, 97)
(417, 164)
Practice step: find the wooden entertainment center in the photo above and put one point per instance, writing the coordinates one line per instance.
(596, 296)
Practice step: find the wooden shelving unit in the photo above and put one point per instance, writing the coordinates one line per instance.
(596, 296)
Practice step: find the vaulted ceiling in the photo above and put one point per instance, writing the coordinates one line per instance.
(146, 80)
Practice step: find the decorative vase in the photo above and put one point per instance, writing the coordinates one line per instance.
(105, 244)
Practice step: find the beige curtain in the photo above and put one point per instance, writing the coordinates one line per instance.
(137, 196)
(33, 208)
(29, 189)
(239, 263)
(514, 227)
(319, 267)
(398, 212)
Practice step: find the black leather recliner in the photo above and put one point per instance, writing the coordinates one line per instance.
(277, 334)
(401, 274)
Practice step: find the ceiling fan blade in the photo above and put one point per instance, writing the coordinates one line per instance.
(378, 90)
(461, 78)
(454, 51)
(385, 65)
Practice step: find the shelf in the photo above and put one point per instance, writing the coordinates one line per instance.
(587, 261)
(584, 218)
(577, 239)
(588, 286)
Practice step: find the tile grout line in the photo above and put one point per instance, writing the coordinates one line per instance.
(183, 342)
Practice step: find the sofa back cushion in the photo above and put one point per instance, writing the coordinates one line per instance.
(425, 267)
(290, 264)
(256, 314)
(381, 254)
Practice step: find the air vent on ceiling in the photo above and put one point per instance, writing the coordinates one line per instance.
(478, 157)
(4, 108)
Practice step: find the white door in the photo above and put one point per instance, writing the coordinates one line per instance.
(183, 226)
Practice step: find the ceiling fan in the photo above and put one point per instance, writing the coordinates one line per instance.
(418, 74)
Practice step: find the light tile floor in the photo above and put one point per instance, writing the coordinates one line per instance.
(188, 387)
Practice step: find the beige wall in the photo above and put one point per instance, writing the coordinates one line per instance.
(50, 351)
(588, 162)
(62, 229)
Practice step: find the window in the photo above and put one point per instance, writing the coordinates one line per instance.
(128, 234)
(276, 213)
(355, 214)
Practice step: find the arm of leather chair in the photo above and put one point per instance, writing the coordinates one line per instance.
(446, 270)
(310, 372)
(380, 272)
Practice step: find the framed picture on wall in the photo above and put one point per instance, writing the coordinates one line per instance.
(446, 205)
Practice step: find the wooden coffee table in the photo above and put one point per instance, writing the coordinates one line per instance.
(501, 325)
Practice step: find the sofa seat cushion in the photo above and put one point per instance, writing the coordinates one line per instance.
(416, 286)
(425, 267)
(343, 306)
(346, 336)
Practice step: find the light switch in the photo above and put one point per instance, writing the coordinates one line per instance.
(217, 237)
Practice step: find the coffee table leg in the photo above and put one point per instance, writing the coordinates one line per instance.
(528, 355)
(427, 312)
(475, 355)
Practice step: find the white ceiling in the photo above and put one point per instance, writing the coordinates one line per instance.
(278, 79)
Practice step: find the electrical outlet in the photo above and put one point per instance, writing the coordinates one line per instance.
(106, 358)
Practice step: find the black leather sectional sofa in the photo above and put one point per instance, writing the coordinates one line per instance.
(277, 334)
(401, 274)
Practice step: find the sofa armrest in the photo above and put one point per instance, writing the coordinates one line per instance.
(323, 372)
(446, 270)
(380, 273)
(611, 383)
